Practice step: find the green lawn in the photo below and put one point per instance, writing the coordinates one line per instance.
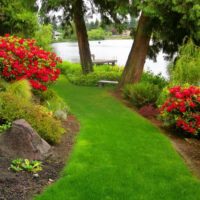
(118, 155)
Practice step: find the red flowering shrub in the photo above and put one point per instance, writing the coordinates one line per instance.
(182, 109)
(22, 59)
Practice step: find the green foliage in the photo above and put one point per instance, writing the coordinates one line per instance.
(21, 88)
(142, 93)
(163, 96)
(98, 34)
(92, 78)
(158, 80)
(68, 68)
(5, 126)
(18, 18)
(3, 85)
(54, 103)
(13, 107)
(147, 91)
(187, 67)
(44, 37)
(19, 164)
(75, 76)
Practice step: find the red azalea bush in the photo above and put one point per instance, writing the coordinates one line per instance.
(182, 109)
(22, 59)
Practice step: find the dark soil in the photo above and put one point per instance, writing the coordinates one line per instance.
(187, 147)
(23, 185)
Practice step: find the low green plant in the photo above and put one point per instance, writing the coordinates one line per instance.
(163, 96)
(158, 80)
(46, 95)
(92, 79)
(68, 68)
(5, 126)
(142, 93)
(13, 107)
(3, 85)
(54, 103)
(21, 88)
(33, 166)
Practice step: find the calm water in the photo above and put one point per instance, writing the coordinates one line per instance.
(109, 49)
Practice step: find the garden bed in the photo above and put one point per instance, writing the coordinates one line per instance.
(188, 148)
(23, 185)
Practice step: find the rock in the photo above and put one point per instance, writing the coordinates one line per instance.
(22, 141)
(36, 176)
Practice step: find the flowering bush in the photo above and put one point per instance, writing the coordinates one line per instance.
(22, 59)
(182, 109)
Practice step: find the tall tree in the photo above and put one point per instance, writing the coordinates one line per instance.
(135, 63)
(73, 10)
(82, 36)
(167, 23)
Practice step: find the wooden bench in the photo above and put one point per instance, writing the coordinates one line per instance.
(102, 62)
(101, 83)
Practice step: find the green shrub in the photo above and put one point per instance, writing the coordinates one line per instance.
(46, 95)
(163, 96)
(187, 67)
(68, 68)
(5, 126)
(43, 37)
(13, 107)
(54, 103)
(154, 79)
(74, 74)
(142, 93)
(21, 89)
(3, 85)
(93, 78)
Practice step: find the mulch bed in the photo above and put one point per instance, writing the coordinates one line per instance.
(23, 185)
(187, 147)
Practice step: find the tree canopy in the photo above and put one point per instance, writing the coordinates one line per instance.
(18, 17)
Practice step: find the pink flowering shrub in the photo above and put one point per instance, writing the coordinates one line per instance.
(182, 109)
(22, 59)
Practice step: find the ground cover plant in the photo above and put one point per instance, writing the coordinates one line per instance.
(118, 154)
(22, 59)
(19, 164)
(13, 107)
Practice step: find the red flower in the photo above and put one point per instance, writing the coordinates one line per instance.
(182, 109)
(21, 58)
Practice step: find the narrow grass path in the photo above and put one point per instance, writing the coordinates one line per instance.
(118, 155)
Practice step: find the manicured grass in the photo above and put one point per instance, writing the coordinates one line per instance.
(118, 155)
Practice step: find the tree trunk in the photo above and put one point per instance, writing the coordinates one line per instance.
(81, 32)
(135, 63)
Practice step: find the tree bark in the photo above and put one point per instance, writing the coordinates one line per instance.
(137, 56)
(81, 32)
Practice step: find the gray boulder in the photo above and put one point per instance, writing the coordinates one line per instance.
(22, 141)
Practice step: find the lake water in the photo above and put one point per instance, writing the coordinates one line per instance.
(109, 49)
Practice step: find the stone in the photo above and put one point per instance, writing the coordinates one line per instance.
(36, 176)
(22, 141)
